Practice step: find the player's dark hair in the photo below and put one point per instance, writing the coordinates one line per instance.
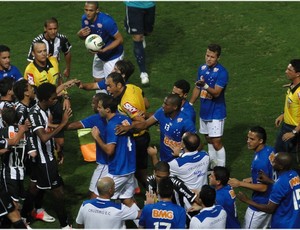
(165, 187)
(126, 67)
(116, 78)
(93, 3)
(296, 64)
(6, 84)
(260, 132)
(284, 160)
(162, 166)
(45, 91)
(109, 102)
(99, 96)
(191, 141)
(174, 99)
(222, 174)
(215, 48)
(4, 48)
(9, 116)
(20, 87)
(183, 85)
(51, 20)
(208, 195)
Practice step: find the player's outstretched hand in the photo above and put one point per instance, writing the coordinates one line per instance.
(152, 151)
(151, 198)
(66, 116)
(95, 132)
(242, 197)
(233, 182)
(121, 129)
(263, 178)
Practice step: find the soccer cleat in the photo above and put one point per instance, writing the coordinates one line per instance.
(67, 227)
(144, 78)
(43, 215)
(144, 42)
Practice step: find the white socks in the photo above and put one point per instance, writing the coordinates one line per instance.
(217, 158)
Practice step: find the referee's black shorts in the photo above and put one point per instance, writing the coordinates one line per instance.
(141, 143)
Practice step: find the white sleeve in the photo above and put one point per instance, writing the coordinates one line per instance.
(79, 218)
(195, 223)
(129, 213)
(173, 168)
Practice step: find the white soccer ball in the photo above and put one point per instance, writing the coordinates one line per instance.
(94, 42)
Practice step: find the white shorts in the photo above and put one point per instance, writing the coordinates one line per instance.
(101, 69)
(256, 219)
(124, 186)
(99, 172)
(214, 128)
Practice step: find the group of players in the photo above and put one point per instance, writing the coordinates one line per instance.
(35, 124)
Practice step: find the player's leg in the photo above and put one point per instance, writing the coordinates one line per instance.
(98, 72)
(215, 133)
(256, 219)
(99, 172)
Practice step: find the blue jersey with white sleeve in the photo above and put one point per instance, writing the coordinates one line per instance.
(100, 123)
(162, 215)
(213, 107)
(12, 72)
(262, 161)
(285, 194)
(171, 131)
(123, 161)
(106, 27)
(225, 197)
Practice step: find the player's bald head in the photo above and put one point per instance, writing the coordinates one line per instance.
(105, 186)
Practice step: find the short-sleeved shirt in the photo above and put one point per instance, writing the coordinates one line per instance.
(104, 214)
(100, 123)
(210, 107)
(191, 168)
(12, 72)
(171, 131)
(262, 161)
(107, 28)
(292, 106)
(163, 214)
(37, 75)
(225, 197)
(123, 161)
(54, 47)
(213, 217)
(285, 193)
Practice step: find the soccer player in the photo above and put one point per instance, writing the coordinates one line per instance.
(96, 22)
(7, 96)
(46, 169)
(6, 69)
(190, 165)
(132, 104)
(211, 216)
(262, 160)
(225, 195)
(101, 158)
(120, 150)
(173, 124)
(182, 88)
(210, 86)
(55, 43)
(283, 202)
(288, 137)
(163, 214)
(101, 212)
(139, 22)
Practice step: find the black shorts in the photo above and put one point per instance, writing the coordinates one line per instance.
(47, 176)
(139, 21)
(15, 188)
(141, 144)
(57, 114)
(6, 203)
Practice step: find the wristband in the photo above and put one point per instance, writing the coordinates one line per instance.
(191, 103)
(206, 86)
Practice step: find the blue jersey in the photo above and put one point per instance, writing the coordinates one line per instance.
(122, 162)
(106, 27)
(189, 111)
(163, 215)
(12, 72)
(140, 4)
(100, 123)
(285, 194)
(171, 131)
(210, 107)
(225, 197)
(262, 161)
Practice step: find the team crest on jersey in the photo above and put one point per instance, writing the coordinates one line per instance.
(99, 25)
(86, 22)
(216, 69)
(203, 67)
(179, 120)
(130, 108)
(30, 79)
